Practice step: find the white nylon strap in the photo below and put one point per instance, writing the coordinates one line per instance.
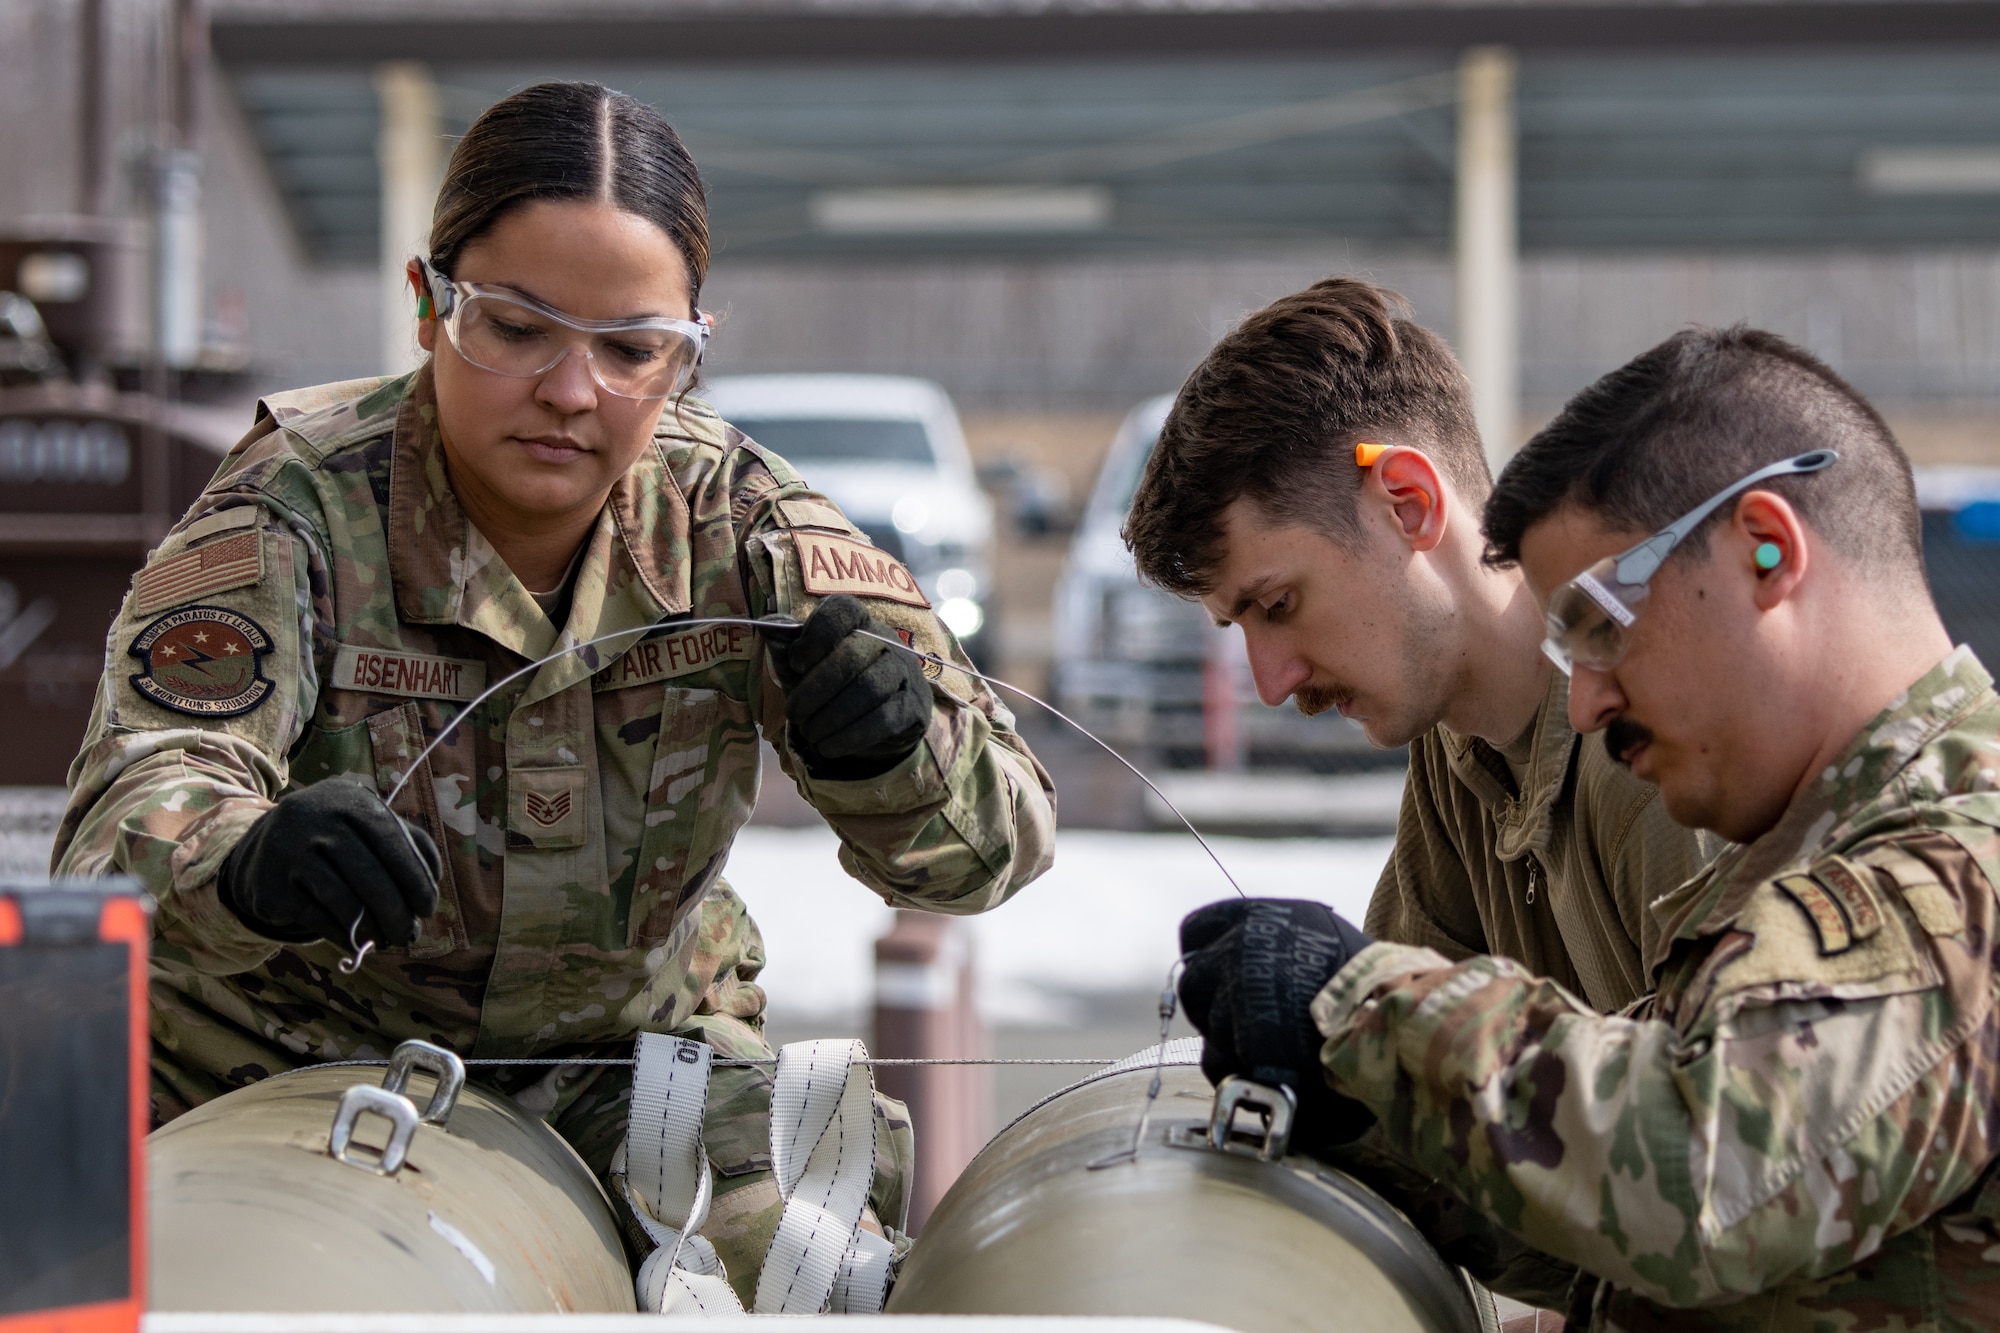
(863, 1281)
(823, 1154)
(675, 1289)
(664, 1161)
(663, 1172)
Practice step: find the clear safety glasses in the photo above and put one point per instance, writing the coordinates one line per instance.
(510, 334)
(1590, 618)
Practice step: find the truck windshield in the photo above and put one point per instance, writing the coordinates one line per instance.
(840, 439)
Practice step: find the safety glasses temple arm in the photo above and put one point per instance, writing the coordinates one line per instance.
(1643, 561)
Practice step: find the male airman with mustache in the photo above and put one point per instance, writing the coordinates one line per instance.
(1799, 1129)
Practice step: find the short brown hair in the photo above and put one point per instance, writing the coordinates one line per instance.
(1656, 437)
(1274, 412)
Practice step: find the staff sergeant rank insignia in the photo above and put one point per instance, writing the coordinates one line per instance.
(202, 660)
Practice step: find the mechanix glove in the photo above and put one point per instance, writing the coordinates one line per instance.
(1253, 968)
(855, 706)
(331, 862)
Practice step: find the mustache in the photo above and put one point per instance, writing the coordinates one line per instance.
(1312, 700)
(1622, 736)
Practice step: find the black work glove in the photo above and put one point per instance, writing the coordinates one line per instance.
(326, 857)
(1253, 968)
(856, 707)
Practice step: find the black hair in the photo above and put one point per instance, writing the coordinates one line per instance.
(571, 140)
(1656, 437)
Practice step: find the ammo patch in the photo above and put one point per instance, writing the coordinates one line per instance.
(1824, 912)
(217, 567)
(204, 660)
(813, 514)
(1850, 887)
(830, 564)
(420, 675)
(665, 657)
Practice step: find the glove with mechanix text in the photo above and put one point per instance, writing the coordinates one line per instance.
(326, 858)
(855, 705)
(1253, 968)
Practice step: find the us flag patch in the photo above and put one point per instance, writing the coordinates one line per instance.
(234, 562)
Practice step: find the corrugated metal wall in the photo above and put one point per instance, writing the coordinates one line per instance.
(1917, 328)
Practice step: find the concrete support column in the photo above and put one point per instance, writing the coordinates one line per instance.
(410, 154)
(179, 303)
(1488, 246)
(926, 1009)
(181, 297)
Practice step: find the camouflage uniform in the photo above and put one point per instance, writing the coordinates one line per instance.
(1546, 853)
(325, 608)
(1798, 1130)
(1549, 861)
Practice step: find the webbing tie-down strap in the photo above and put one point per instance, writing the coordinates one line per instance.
(663, 1171)
(823, 1154)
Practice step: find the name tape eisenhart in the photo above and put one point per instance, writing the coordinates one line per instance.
(418, 675)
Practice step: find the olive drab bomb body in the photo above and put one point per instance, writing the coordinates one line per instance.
(1197, 1224)
(270, 1198)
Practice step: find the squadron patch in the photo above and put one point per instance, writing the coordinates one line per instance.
(830, 564)
(203, 660)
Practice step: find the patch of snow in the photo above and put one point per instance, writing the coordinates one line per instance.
(1104, 919)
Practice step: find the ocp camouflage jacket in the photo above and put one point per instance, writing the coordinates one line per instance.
(1798, 1130)
(326, 608)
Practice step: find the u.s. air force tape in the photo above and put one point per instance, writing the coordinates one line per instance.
(665, 656)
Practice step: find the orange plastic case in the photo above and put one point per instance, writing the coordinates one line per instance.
(73, 1105)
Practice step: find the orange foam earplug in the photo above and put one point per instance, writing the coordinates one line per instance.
(1365, 454)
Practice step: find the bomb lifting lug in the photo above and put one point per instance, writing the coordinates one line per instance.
(389, 1102)
(1272, 1109)
(450, 1071)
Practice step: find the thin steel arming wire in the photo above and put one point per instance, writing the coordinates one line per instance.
(917, 653)
(353, 964)
(349, 965)
(740, 1061)
(362, 948)
(1169, 1002)
(1082, 730)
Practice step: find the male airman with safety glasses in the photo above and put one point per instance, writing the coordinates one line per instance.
(1799, 1127)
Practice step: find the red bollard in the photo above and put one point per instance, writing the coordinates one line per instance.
(1221, 732)
(926, 1009)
